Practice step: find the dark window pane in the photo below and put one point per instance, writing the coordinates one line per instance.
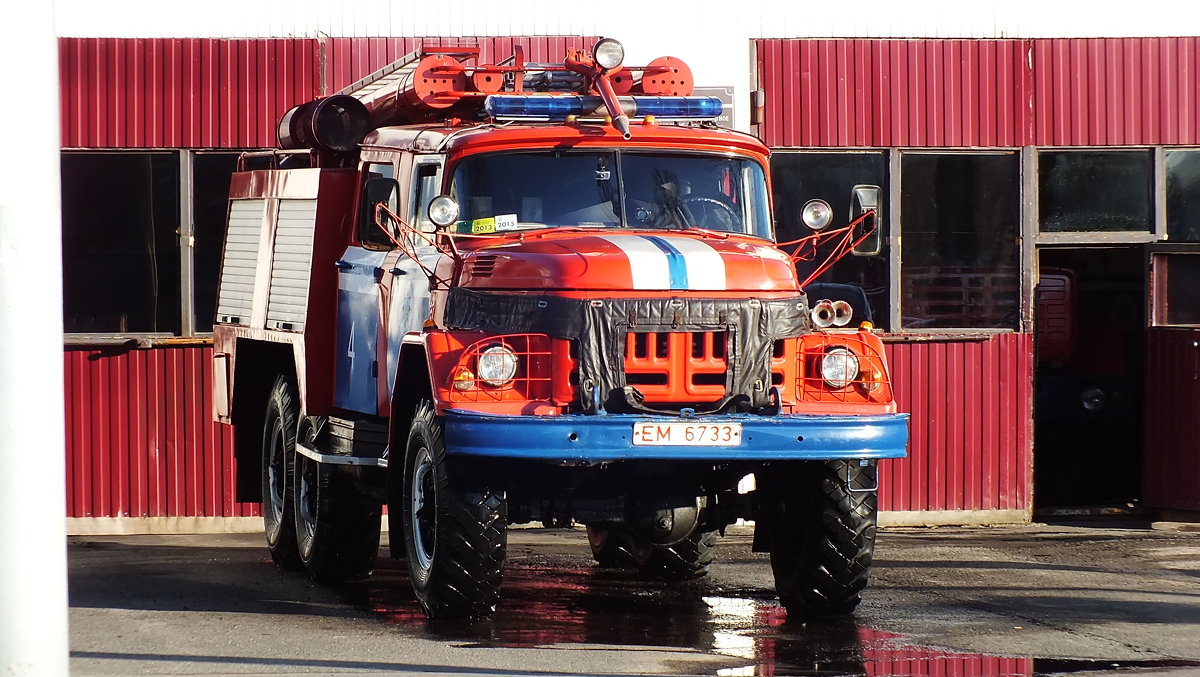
(210, 196)
(1179, 276)
(1095, 191)
(1183, 195)
(959, 224)
(120, 242)
(797, 178)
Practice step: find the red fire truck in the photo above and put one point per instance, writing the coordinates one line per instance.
(491, 294)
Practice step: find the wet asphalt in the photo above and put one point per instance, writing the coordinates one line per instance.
(1079, 598)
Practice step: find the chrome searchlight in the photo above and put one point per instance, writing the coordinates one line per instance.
(816, 214)
(608, 54)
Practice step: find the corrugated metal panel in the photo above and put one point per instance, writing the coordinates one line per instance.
(970, 443)
(168, 93)
(1117, 91)
(837, 93)
(921, 93)
(140, 437)
(240, 260)
(288, 302)
(1171, 462)
(206, 93)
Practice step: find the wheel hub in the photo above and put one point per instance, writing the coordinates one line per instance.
(422, 509)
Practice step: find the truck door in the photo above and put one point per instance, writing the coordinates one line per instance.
(1172, 462)
(360, 307)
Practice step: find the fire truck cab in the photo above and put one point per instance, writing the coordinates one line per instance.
(496, 294)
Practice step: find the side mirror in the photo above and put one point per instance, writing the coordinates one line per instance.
(865, 199)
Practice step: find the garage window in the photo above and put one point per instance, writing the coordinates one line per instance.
(125, 216)
(1183, 195)
(798, 177)
(1095, 191)
(960, 219)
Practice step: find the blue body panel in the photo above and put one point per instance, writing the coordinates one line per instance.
(357, 368)
(578, 437)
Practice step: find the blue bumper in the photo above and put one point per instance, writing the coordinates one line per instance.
(603, 438)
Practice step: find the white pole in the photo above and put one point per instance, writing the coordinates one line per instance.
(33, 558)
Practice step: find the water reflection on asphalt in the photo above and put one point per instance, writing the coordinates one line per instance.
(544, 605)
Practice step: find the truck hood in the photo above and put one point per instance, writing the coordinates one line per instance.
(630, 261)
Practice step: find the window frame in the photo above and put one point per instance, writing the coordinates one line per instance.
(188, 335)
(1158, 200)
(896, 258)
(1156, 301)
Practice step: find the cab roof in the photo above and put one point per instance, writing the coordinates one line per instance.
(499, 137)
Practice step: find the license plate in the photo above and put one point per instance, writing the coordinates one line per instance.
(679, 434)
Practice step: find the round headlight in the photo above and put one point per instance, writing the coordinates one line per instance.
(816, 214)
(839, 367)
(443, 210)
(608, 54)
(497, 365)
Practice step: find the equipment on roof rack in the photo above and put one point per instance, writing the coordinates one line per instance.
(440, 84)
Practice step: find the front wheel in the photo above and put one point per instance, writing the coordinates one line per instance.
(821, 530)
(455, 526)
(689, 558)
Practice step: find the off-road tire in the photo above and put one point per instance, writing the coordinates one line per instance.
(455, 526)
(337, 526)
(689, 558)
(612, 547)
(278, 442)
(822, 535)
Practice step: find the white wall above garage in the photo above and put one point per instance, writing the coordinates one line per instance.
(669, 23)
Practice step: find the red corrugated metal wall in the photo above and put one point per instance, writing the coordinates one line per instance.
(206, 93)
(173, 93)
(1171, 476)
(960, 93)
(970, 443)
(141, 441)
(1116, 91)
(893, 92)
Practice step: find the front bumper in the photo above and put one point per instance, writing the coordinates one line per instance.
(596, 439)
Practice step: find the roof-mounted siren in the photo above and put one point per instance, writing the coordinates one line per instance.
(334, 124)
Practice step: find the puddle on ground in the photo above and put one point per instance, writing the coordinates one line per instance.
(543, 606)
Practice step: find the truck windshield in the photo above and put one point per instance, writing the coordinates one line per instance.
(611, 189)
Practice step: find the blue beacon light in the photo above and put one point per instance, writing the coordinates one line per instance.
(519, 107)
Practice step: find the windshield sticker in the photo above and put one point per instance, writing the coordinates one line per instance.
(490, 224)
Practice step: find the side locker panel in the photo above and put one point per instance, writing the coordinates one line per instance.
(239, 265)
(287, 305)
(357, 368)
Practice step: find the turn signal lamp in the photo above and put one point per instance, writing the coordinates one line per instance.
(559, 108)
(464, 379)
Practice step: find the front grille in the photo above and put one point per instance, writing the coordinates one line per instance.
(677, 367)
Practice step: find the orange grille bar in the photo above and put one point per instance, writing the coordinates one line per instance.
(677, 366)
(871, 384)
(534, 379)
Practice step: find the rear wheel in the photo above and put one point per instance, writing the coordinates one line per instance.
(822, 535)
(278, 461)
(611, 547)
(455, 526)
(337, 525)
(689, 558)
